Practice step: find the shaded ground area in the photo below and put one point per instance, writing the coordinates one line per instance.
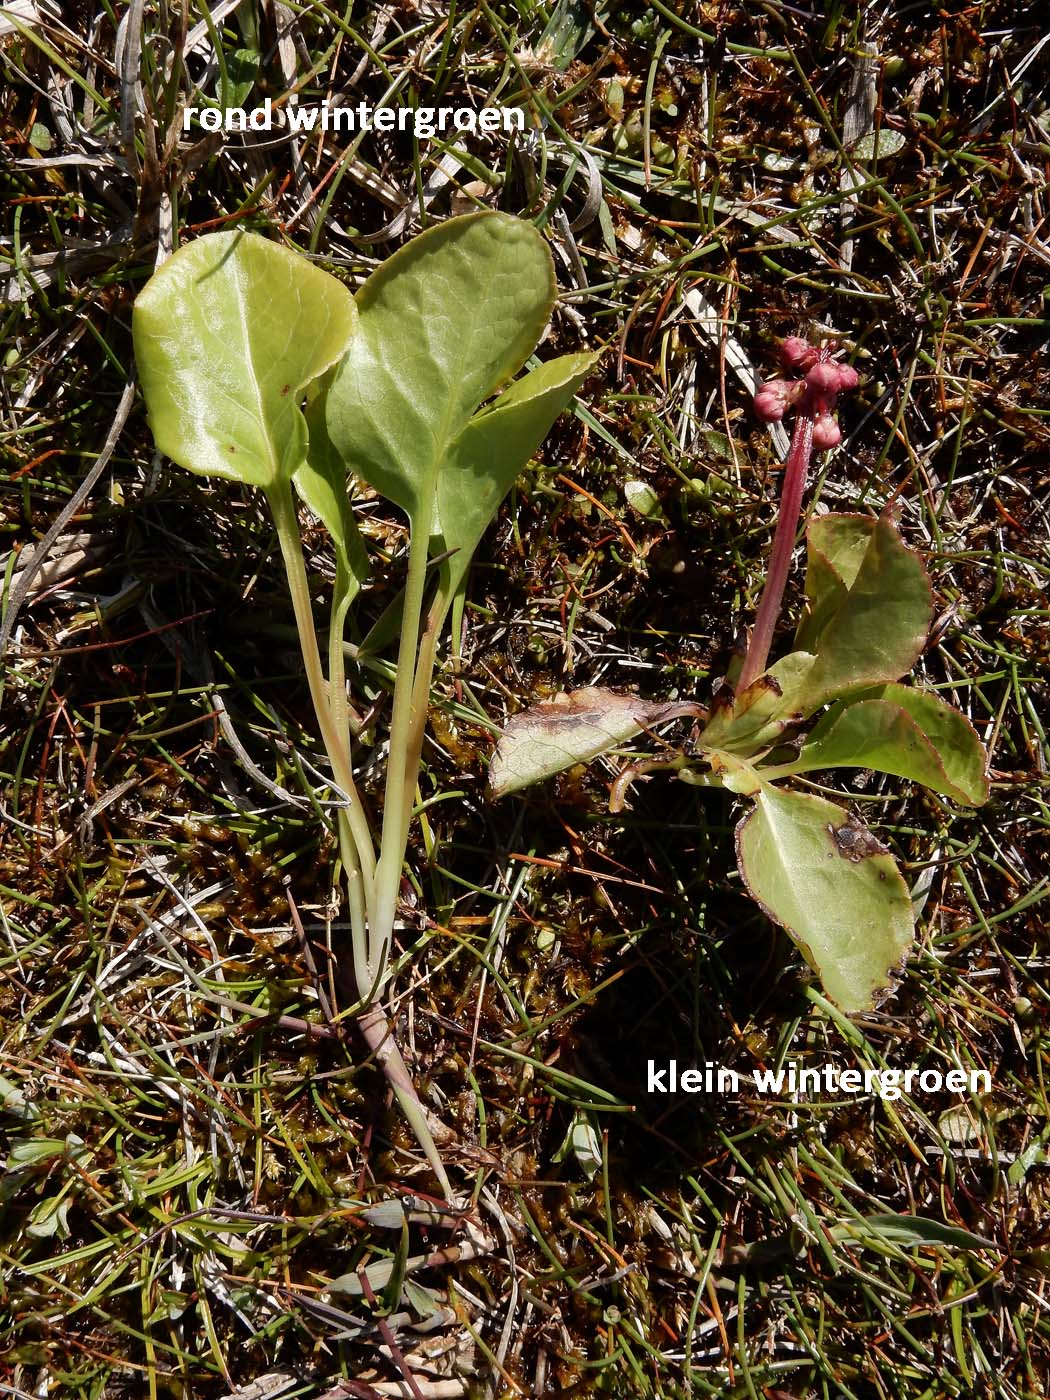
(196, 1179)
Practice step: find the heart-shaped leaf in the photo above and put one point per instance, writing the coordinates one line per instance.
(833, 887)
(228, 334)
(909, 733)
(443, 324)
(877, 629)
(546, 739)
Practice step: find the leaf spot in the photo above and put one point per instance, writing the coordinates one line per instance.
(855, 842)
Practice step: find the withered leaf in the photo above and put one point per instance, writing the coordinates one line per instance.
(548, 738)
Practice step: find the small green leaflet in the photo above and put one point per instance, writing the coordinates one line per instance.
(759, 715)
(909, 1232)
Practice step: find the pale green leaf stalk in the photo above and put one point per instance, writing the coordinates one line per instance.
(228, 335)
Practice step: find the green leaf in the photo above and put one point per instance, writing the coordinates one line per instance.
(444, 323)
(569, 28)
(381, 1273)
(27, 1151)
(49, 1218)
(583, 1142)
(385, 1215)
(1034, 1155)
(833, 887)
(878, 144)
(40, 138)
(378, 1274)
(878, 626)
(835, 548)
(490, 453)
(909, 733)
(546, 739)
(12, 1100)
(228, 334)
(424, 1302)
(321, 482)
(242, 72)
(392, 1289)
(909, 1231)
(642, 498)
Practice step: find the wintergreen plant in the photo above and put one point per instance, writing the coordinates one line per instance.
(832, 702)
(259, 367)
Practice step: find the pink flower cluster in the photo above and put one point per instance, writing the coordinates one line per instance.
(814, 393)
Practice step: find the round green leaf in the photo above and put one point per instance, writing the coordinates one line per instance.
(228, 334)
(833, 887)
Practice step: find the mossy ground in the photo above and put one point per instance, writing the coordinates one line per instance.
(194, 1181)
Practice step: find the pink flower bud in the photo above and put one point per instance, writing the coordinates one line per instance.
(774, 398)
(848, 378)
(826, 432)
(797, 353)
(823, 378)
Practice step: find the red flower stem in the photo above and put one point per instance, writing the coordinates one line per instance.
(796, 468)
